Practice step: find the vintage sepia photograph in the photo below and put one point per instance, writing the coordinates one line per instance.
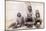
(24, 15)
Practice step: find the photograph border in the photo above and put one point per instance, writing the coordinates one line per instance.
(31, 2)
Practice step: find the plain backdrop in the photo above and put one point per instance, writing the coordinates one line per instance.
(2, 15)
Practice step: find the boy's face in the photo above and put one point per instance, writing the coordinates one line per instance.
(19, 15)
(29, 8)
